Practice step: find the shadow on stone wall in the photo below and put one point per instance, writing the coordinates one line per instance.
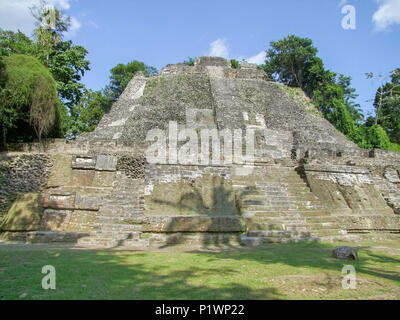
(209, 214)
(211, 199)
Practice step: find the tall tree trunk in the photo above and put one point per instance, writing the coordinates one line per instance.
(379, 106)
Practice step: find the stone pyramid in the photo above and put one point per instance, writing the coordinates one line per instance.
(297, 179)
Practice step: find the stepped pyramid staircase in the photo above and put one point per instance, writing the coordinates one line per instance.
(119, 218)
(278, 206)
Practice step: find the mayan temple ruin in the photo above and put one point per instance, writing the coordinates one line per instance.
(307, 181)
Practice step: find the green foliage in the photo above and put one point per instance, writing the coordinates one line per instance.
(190, 61)
(61, 121)
(376, 137)
(50, 23)
(387, 106)
(16, 42)
(394, 147)
(123, 73)
(286, 59)
(293, 61)
(349, 97)
(217, 270)
(67, 64)
(28, 95)
(86, 115)
(234, 64)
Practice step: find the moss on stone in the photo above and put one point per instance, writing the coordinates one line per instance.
(61, 174)
(298, 95)
(167, 99)
(24, 215)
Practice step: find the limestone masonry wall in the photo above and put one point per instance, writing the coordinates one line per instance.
(307, 182)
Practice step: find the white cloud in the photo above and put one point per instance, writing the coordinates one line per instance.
(75, 26)
(15, 14)
(92, 24)
(258, 58)
(387, 14)
(218, 48)
(62, 4)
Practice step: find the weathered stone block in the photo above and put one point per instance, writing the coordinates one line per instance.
(55, 219)
(69, 220)
(61, 171)
(212, 61)
(346, 253)
(103, 179)
(81, 178)
(392, 175)
(106, 163)
(83, 162)
(59, 200)
(87, 202)
(336, 169)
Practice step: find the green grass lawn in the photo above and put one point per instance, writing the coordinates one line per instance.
(274, 271)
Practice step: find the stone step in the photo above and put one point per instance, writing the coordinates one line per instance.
(278, 219)
(273, 201)
(276, 233)
(118, 227)
(256, 241)
(112, 243)
(281, 207)
(117, 235)
(321, 219)
(193, 238)
(120, 219)
(261, 214)
(280, 197)
(328, 232)
(44, 236)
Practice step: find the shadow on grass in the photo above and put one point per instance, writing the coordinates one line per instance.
(106, 274)
(315, 255)
(168, 274)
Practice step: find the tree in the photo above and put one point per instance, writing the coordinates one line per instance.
(190, 61)
(121, 74)
(286, 59)
(349, 98)
(50, 23)
(67, 63)
(376, 137)
(16, 42)
(86, 114)
(387, 105)
(293, 61)
(28, 95)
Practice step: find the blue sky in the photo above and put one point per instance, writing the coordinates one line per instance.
(163, 32)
